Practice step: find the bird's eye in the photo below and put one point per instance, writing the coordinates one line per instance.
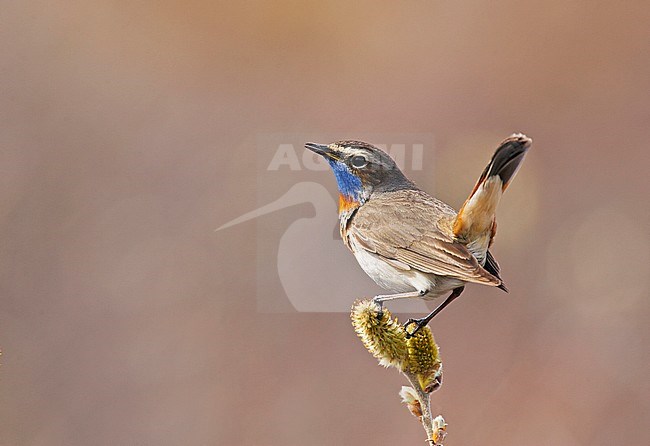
(359, 161)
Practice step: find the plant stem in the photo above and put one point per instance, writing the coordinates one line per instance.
(426, 419)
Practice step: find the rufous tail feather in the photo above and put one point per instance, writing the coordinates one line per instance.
(475, 223)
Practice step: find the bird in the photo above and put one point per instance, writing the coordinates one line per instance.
(409, 242)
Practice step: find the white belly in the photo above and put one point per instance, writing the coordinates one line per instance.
(397, 280)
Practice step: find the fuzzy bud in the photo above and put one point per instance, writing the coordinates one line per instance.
(439, 430)
(410, 398)
(382, 335)
(424, 360)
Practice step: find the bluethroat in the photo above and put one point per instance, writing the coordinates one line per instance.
(407, 241)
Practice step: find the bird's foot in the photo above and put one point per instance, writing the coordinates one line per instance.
(419, 323)
(380, 307)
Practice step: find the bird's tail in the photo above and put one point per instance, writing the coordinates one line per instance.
(475, 223)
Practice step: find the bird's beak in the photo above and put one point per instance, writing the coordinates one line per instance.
(320, 149)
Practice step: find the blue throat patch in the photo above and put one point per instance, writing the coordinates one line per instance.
(349, 184)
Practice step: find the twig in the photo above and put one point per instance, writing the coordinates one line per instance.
(417, 358)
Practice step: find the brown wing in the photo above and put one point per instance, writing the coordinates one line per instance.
(411, 229)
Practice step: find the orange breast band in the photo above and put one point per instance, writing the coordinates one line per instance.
(346, 203)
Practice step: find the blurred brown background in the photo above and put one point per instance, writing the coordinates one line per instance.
(126, 132)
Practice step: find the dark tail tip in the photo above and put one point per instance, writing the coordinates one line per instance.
(508, 157)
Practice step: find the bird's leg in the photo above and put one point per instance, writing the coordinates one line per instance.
(425, 320)
(380, 299)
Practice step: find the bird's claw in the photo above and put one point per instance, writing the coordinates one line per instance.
(419, 324)
(380, 306)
